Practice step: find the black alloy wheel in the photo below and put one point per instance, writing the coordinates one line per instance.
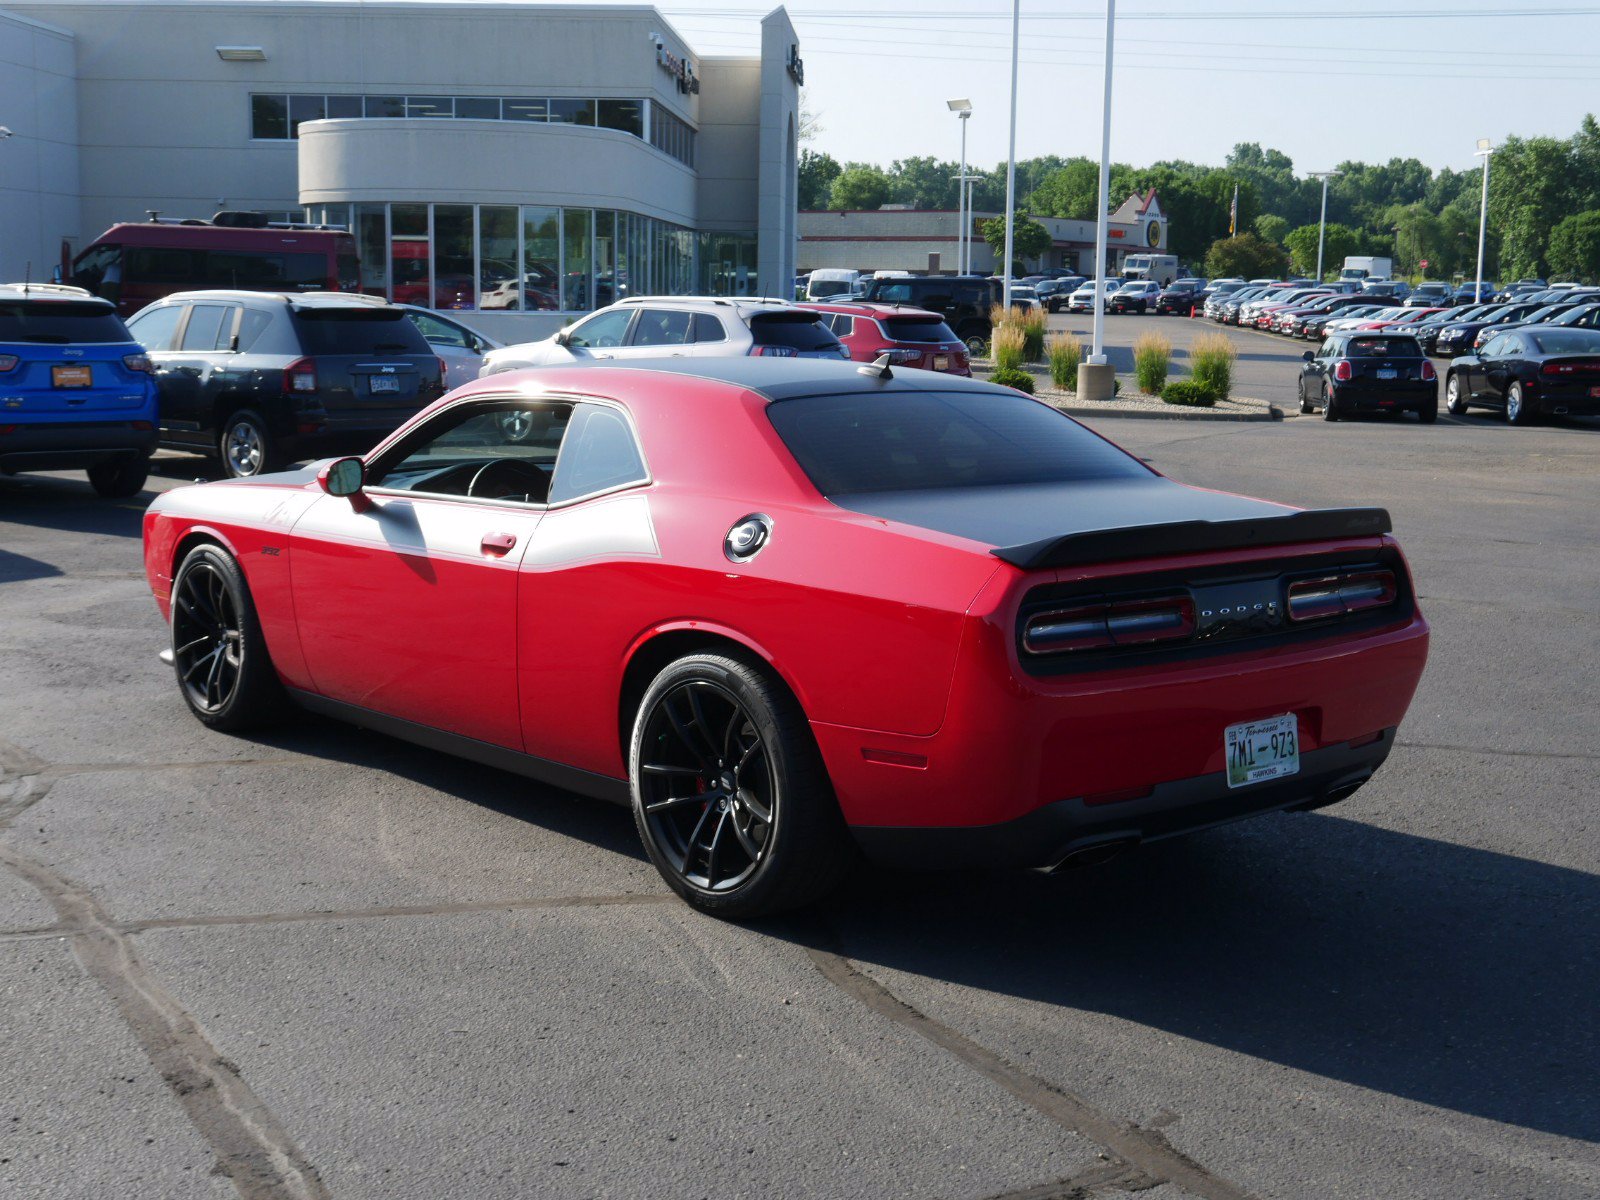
(729, 793)
(218, 654)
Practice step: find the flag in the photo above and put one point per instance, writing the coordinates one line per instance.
(1233, 213)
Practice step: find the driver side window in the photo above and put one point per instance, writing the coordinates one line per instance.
(503, 451)
(602, 329)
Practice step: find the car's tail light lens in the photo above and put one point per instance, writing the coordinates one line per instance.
(1428, 373)
(300, 376)
(774, 351)
(8, 362)
(1101, 626)
(1589, 366)
(444, 371)
(1340, 595)
(138, 362)
(904, 356)
(1342, 371)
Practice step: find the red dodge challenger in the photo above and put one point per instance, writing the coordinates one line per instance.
(791, 611)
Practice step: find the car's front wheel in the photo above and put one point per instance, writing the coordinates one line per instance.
(120, 477)
(1455, 397)
(730, 795)
(218, 653)
(1518, 410)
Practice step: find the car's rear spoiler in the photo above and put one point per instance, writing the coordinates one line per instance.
(1188, 537)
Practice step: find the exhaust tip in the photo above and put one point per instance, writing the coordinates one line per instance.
(1093, 856)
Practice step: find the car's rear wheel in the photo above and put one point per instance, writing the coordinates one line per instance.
(120, 477)
(1329, 412)
(218, 653)
(1455, 397)
(1518, 410)
(1428, 410)
(246, 447)
(729, 792)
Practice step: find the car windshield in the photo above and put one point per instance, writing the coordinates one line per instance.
(1567, 341)
(829, 287)
(1383, 347)
(60, 322)
(358, 331)
(875, 442)
(1577, 316)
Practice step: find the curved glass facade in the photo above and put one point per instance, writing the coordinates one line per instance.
(535, 258)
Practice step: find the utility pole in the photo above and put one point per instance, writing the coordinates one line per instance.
(1322, 222)
(1011, 153)
(963, 109)
(1485, 151)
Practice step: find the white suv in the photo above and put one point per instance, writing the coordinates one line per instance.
(1082, 300)
(678, 327)
(1137, 295)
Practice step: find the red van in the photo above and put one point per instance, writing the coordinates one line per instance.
(133, 263)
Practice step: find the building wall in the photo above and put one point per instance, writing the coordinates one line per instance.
(778, 182)
(39, 161)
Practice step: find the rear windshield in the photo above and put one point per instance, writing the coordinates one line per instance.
(1567, 341)
(358, 331)
(829, 287)
(57, 322)
(919, 441)
(918, 329)
(802, 331)
(1383, 347)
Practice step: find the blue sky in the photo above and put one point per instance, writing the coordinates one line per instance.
(1357, 79)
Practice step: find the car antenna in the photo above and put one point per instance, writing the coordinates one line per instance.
(878, 368)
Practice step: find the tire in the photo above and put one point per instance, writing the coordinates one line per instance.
(1328, 411)
(1455, 396)
(1428, 410)
(798, 853)
(229, 691)
(1306, 407)
(246, 447)
(1518, 410)
(120, 477)
(1142, 307)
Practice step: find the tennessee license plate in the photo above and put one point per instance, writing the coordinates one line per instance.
(69, 377)
(1382, 374)
(1261, 750)
(941, 362)
(383, 383)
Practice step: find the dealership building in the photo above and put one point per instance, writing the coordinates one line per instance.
(584, 150)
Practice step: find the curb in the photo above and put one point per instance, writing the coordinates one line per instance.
(1273, 413)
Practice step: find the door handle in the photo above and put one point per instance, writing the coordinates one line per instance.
(497, 543)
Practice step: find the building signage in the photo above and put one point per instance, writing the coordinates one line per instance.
(681, 69)
(1152, 234)
(797, 68)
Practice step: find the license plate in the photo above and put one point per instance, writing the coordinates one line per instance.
(1261, 750)
(383, 383)
(1382, 374)
(1595, 392)
(70, 377)
(941, 362)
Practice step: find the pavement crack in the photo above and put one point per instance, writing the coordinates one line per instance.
(402, 910)
(253, 1149)
(1112, 1175)
(1146, 1150)
(1555, 754)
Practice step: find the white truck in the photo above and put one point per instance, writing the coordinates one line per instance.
(1160, 268)
(1364, 266)
(828, 282)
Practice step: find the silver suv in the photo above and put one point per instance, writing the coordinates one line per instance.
(678, 327)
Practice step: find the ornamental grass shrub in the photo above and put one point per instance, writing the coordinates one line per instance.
(1008, 347)
(1188, 393)
(1013, 378)
(1152, 354)
(1211, 360)
(1033, 322)
(1066, 352)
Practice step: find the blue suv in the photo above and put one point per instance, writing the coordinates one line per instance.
(75, 389)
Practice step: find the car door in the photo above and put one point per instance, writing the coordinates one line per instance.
(1500, 366)
(406, 598)
(458, 348)
(1469, 368)
(600, 336)
(1316, 368)
(184, 374)
(659, 333)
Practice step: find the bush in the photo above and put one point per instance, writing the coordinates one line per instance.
(1152, 353)
(1008, 347)
(1066, 352)
(1013, 378)
(1189, 394)
(1211, 358)
(1033, 321)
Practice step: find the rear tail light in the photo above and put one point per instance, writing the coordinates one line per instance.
(1340, 595)
(300, 376)
(137, 362)
(8, 362)
(904, 356)
(5, 429)
(444, 371)
(774, 351)
(1342, 371)
(1100, 626)
(1428, 373)
(1582, 367)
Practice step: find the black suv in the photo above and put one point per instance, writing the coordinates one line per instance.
(963, 301)
(261, 379)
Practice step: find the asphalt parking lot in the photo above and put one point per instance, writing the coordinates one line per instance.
(327, 964)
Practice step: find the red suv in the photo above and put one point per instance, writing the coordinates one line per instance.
(911, 337)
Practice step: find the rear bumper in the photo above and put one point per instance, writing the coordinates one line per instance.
(46, 446)
(1396, 396)
(1047, 835)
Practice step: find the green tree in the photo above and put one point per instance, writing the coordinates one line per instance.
(1531, 189)
(1340, 241)
(859, 186)
(1247, 257)
(1575, 246)
(817, 173)
(1069, 191)
(924, 183)
(1271, 227)
(1029, 239)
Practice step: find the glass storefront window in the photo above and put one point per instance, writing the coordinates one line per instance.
(605, 259)
(305, 108)
(372, 242)
(269, 117)
(624, 115)
(430, 106)
(386, 106)
(525, 110)
(577, 245)
(343, 107)
(497, 255)
(477, 109)
(409, 254)
(455, 282)
(573, 112)
(541, 258)
(727, 264)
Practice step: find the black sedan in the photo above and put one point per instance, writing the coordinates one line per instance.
(1458, 336)
(1369, 373)
(1530, 372)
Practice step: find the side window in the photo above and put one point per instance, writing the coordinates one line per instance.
(252, 324)
(843, 325)
(208, 324)
(153, 328)
(936, 297)
(602, 329)
(437, 332)
(1494, 347)
(1329, 349)
(708, 329)
(661, 327)
(600, 453)
(501, 451)
(894, 293)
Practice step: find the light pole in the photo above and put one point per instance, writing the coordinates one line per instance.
(1097, 353)
(1011, 154)
(966, 234)
(962, 109)
(1322, 222)
(1484, 151)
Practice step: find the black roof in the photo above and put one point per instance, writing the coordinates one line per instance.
(785, 378)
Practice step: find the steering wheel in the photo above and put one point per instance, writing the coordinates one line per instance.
(504, 477)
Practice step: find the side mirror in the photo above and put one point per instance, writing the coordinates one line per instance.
(55, 274)
(1309, 355)
(563, 338)
(346, 477)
